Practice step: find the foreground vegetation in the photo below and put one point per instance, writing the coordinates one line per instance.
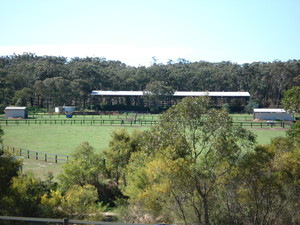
(195, 167)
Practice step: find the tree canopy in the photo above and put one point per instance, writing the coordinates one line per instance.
(47, 81)
(189, 152)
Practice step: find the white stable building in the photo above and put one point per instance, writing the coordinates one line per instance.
(16, 112)
(272, 114)
(176, 93)
(64, 109)
(140, 99)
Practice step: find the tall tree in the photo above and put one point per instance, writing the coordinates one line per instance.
(200, 145)
(291, 100)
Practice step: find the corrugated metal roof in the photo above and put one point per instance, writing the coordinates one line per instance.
(14, 107)
(212, 94)
(177, 93)
(118, 93)
(269, 110)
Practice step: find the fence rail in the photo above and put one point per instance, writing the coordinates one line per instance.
(78, 122)
(60, 221)
(120, 122)
(30, 154)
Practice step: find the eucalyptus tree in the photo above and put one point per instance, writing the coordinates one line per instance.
(188, 154)
(291, 100)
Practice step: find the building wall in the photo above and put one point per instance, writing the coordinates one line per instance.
(16, 113)
(273, 116)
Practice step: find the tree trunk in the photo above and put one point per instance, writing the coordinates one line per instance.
(206, 210)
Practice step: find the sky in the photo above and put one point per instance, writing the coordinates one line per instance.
(136, 32)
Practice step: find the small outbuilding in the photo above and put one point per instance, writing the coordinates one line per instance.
(68, 109)
(64, 109)
(272, 114)
(16, 112)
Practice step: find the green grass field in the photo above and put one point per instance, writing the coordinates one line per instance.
(64, 139)
(58, 139)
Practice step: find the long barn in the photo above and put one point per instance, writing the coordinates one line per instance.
(272, 114)
(140, 97)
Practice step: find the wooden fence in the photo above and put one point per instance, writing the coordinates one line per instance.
(30, 154)
(59, 221)
(79, 122)
(28, 122)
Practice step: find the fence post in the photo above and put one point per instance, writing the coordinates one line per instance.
(20, 152)
(28, 156)
(55, 158)
(36, 156)
(45, 157)
(65, 221)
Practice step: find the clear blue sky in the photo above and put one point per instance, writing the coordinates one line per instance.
(134, 31)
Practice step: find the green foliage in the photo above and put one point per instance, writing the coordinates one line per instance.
(250, 106)
(121, 146)
(226, 107)
(79, 202)
(9, 168)
(84, 167)
(24, 197)
(1, 134)
(294, 132)
(182, 161)
(23, 97)
(262, 188)
(291, 100)
(58, 81)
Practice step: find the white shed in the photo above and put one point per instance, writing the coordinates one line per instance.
(272, 114)
(69, 109)
(16, 112)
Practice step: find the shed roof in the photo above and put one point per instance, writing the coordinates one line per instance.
(212, 94)
(118, 93)
(177, 93)
(14, 107)
(269, 110)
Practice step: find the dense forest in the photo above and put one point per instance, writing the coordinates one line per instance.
(47, 81)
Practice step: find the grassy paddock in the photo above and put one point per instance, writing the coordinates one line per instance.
(58, 139)
(265, 135)
(41, 169)
(64, 139)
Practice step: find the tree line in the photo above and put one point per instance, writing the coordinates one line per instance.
(195, 167)
(48, 81)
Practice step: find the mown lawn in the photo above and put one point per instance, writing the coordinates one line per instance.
(64, 139)
(58, 139)
(265, 135)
